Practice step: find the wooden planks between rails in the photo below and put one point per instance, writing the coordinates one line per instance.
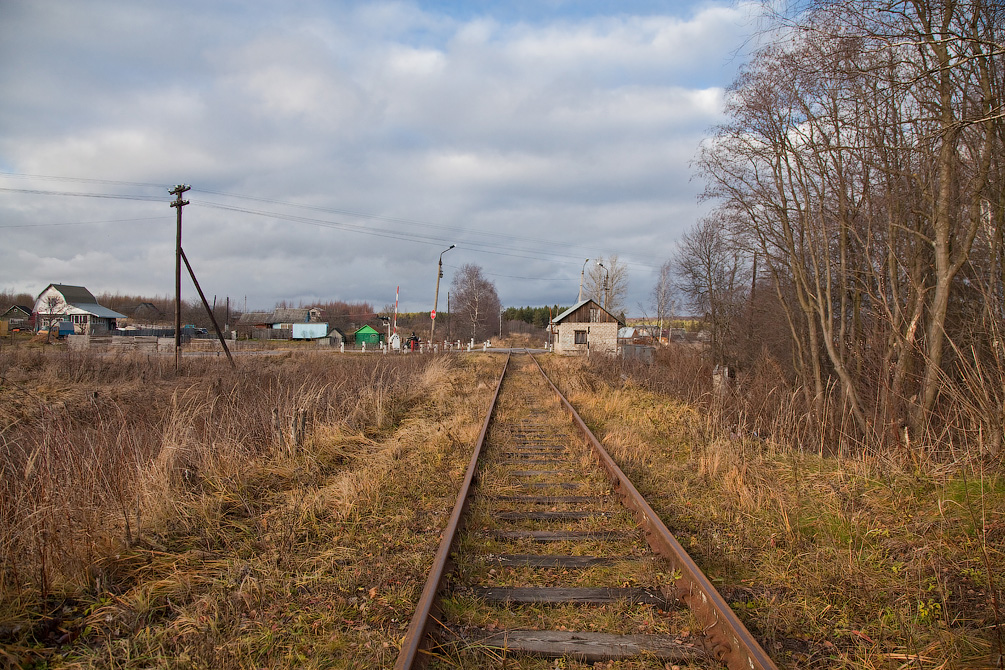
(722, 635)
(727, 639)
(427, 608)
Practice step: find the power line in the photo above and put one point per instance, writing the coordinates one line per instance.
(113, 196)
(570, 251)
(454, 231)
(81, 180)
(430, 240)
(390, 219)
(82, 223)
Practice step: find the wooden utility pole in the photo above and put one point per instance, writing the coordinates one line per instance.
(212, 316)
(178, 203)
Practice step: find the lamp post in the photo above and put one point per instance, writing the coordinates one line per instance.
(582, 273)
(606, 276)
(436, 296)
(387, 322)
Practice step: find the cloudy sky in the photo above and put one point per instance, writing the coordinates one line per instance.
(335, 148)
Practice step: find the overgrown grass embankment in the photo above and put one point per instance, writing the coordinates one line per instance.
(832, 562)
(283, 515)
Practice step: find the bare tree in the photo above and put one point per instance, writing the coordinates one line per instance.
(607, 283)
(474, 301)
(862, 157)
(664, 294)
(54, 305)
(709, 273)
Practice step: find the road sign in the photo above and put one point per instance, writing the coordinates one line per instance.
(432, 315)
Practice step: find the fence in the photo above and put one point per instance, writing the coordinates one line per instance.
(638, 352)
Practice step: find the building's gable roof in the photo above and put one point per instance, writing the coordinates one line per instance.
(365, 329)
(141, 308)
(17, 308)
(579, 305)
(254, 318)
(569, 311)
(290, 315)
(75, 295)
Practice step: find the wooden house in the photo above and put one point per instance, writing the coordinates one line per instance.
(16, 317)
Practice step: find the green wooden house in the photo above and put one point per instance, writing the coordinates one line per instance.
(369, 335)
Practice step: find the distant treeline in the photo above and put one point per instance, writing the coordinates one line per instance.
(536, 316)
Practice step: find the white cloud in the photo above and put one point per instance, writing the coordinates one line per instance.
(571, 131)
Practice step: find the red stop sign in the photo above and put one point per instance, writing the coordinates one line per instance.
(432, 315)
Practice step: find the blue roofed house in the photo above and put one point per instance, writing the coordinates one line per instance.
(76, 305)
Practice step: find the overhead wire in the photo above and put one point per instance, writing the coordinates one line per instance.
(493, 248)
(81, 180)
(112, 196)
(82, 223)
(455, 230)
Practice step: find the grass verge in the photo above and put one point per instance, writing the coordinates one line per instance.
(832, 562)
(281, 516)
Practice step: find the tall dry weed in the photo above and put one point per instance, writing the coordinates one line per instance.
(826, 511)
(96, 446)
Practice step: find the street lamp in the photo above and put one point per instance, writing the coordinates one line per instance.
(436, 296)
(606, 276)
(581, 274)
(387, 322)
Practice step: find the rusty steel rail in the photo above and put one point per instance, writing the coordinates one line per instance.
(410, 654)
(724, 635)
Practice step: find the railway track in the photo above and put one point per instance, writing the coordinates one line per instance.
(551, 553)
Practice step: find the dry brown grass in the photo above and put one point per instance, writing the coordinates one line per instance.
(281, 515)
(849, 561)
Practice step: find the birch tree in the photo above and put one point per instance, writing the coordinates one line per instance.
(475, 301)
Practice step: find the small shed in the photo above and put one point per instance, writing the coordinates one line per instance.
(586, 328)
(250, 322)
(368, 335)
(16, 316)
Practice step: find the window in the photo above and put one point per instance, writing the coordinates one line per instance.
(594, 315)
(580, 337)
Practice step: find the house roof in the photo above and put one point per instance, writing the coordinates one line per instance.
(365, 329)
(290, 315)
(564, 315)
(140, 307)
(281, 315)
(17, 308)
(572, 309)
(94, 309)
(253, 318)
(75, 295)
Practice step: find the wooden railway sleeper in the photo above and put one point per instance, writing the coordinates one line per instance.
(721, 635)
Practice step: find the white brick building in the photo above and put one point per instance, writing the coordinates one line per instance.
(586, 328)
